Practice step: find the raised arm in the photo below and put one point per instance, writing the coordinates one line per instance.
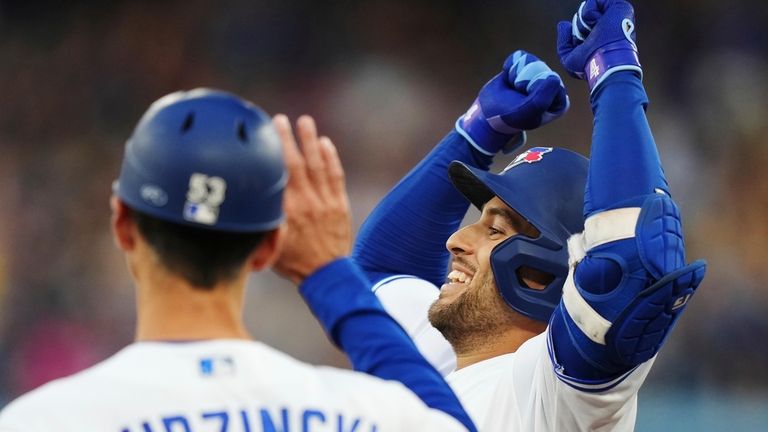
(632, 284)
(334, 287)
(407, 231)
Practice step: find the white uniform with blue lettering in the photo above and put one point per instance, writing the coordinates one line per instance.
(218, 386)
(521, 391)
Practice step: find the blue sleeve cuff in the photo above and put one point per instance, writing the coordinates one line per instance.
(336, 291)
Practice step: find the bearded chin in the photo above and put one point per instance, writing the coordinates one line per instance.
(474, 318)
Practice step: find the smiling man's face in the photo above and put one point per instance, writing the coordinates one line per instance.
(470, 308)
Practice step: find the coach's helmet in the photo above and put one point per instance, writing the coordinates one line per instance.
(546, 187)
(208, 159)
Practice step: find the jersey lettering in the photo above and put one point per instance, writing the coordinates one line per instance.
(221, 417)
(269, 426)
(352, 428)
(261, 420)
(176, 424)
(307, 417)
(246, 422)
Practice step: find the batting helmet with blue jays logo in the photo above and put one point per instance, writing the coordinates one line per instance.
(546, 187)
(205, 158)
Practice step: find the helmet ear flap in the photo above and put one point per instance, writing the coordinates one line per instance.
(542, 255)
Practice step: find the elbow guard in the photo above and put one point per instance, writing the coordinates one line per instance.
(626, 294)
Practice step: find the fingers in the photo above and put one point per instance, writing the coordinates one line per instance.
(315, 201)
(580, 28)
(516, 64)
(334, 169)
(314, 167)
(294, 161)
(561, 103)
(549, 95)
(532, 73)
(587, 16)
(524, 68)
(564, 37)
(513, 61)
(311, 149)
(592, 10)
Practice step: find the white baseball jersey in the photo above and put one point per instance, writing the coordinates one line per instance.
(520, 391)
(219, 386)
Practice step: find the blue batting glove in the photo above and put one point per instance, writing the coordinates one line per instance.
(524, 96)
(599, 41)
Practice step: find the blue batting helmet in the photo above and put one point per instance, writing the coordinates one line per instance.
(546, 187)
(208, 159)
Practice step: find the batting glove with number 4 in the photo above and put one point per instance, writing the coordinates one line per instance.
(599, 41)
(525, 95)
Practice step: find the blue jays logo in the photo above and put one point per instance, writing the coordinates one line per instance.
(535, 154)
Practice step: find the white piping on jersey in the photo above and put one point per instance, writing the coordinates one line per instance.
(584, 385)
(389, 279)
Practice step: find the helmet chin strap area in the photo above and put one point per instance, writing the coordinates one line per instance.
(542, 254)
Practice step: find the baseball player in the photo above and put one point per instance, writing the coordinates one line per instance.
(560, 295)
(197, 206)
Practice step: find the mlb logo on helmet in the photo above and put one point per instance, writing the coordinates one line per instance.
(535, 154)
(204, 197)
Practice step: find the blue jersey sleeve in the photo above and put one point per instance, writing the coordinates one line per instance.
(340, 296)
(407, 231)
(624, 167)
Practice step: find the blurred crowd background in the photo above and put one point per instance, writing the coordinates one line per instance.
(386, 79)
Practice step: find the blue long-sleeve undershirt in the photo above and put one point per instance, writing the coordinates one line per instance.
(407, 231)
(624, 163)
(339, 295)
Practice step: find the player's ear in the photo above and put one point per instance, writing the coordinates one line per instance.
(268, 251)
(123, 226)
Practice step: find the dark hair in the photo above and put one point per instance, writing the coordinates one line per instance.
(202, 257)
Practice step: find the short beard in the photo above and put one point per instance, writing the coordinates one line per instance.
(474, 318)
